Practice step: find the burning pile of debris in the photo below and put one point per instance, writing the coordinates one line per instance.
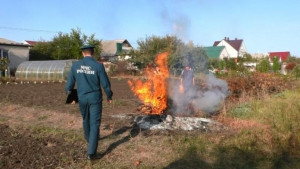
(157, 90)
(145, 109)
(153, 91)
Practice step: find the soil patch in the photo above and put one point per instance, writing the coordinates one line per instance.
(19, 148)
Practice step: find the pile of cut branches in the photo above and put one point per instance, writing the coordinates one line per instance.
(257, 85)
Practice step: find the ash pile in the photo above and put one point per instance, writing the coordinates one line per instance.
(169, 122)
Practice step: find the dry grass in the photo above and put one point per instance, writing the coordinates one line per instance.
(17, 114)
(264, 134)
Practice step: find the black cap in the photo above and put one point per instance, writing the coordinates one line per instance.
(87, 47)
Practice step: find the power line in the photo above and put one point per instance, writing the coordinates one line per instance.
(27, 29)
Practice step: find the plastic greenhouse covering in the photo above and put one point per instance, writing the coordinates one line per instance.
(56, 70)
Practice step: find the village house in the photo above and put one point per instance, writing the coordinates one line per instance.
(116, 50)
(30, 42)
(235, 48)
(112, 50)
(282, 56)
(216, 52)
(14, 52)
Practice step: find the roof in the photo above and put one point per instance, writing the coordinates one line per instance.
(11, 43)
(109, 47)
(214, 51)
(236, 43)
(283, 55)
(6, 41)
(30, 42)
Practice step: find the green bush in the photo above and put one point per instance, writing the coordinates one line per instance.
(296, 72)
(3, 64)
(263, 65)
(276, 65)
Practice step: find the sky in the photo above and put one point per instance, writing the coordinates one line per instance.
(264, 25)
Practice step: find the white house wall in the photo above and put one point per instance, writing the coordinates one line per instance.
(243, 50)
(16, 55)
(232, 53)
(224, 54)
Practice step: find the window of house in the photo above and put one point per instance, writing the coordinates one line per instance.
(3, 54)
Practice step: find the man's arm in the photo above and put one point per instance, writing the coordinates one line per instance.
(70, 81)
(105, 83)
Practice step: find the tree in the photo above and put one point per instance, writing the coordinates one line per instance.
(193, 55)
(294, 59)
(150, 47)
(65, 46)
(41, 51)
(247, 57)
(3, 66)
(214, 63)
(222, 65)
(231, 64)
(263, 65)
(98, 46)
(180, 54)
(296, 72)
(276, 64)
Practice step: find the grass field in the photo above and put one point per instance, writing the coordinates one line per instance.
(262, 133)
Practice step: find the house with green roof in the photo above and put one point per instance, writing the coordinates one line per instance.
(235, 48)
(216, 52)
(111, 49)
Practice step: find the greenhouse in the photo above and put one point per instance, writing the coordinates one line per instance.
(56, 70)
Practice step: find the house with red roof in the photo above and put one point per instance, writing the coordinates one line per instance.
(283, 56)
(235, 48)
(30, 42)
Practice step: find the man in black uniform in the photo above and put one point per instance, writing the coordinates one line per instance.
(88, 74)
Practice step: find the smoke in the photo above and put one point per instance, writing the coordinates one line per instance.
(207, 98)
(179, 24)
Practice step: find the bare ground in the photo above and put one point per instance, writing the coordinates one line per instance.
(38, 130)
(25, 109)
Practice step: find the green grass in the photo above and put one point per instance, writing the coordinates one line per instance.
(274, 143)
(281, 111)
(69, 135)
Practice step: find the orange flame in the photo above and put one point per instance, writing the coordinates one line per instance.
(153, 91)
